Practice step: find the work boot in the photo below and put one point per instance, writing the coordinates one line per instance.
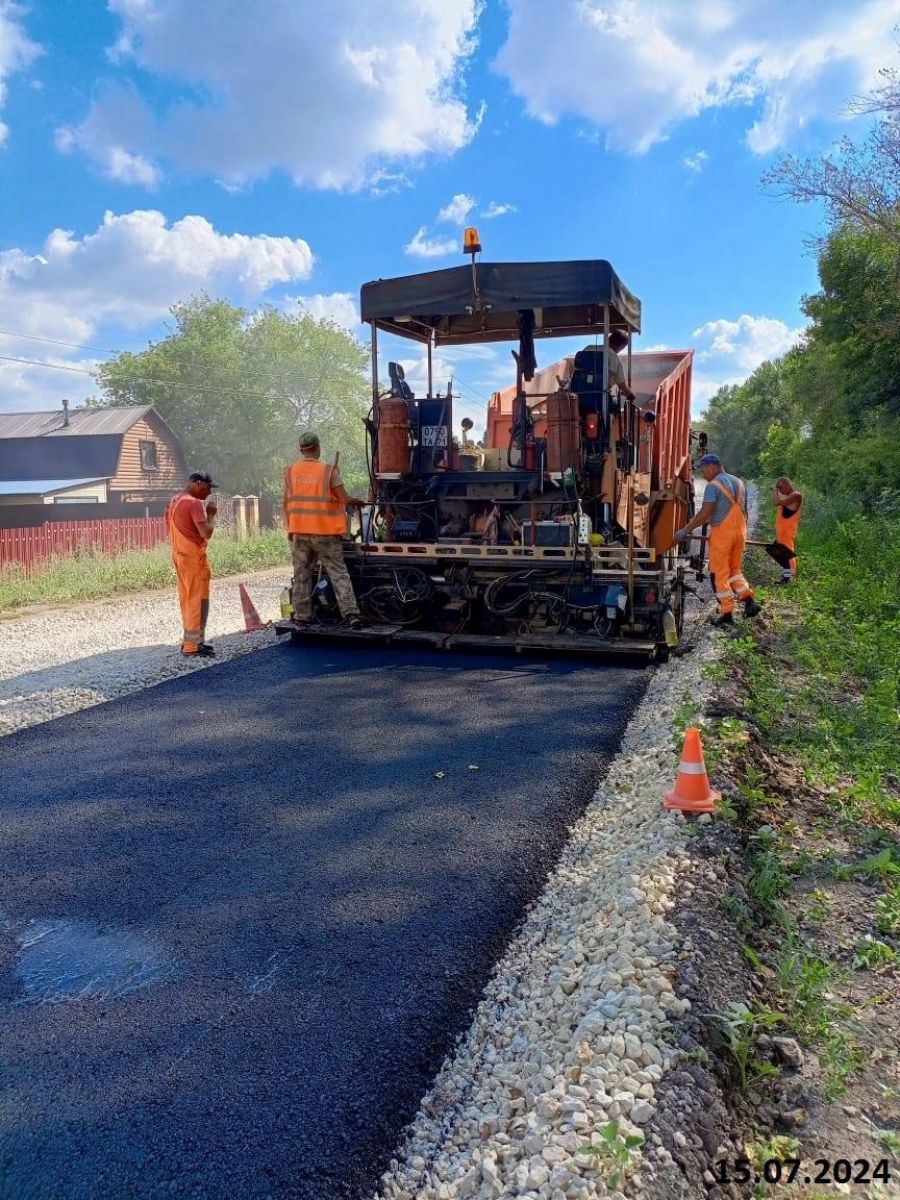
(207, 649)
(723, 621)
(202, 651)
(752, 608)
(356, 621)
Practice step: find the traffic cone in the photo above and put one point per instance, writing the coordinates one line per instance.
(251, 617)
(692, 792)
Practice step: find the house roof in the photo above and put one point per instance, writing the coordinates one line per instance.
(40, 487)
(36, 446)
(36, 458)
(83, 422)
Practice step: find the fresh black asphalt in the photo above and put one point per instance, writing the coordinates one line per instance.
(318, 912)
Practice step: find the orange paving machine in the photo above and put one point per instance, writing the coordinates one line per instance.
(555, 531)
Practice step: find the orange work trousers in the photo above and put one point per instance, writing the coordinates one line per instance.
(786, 533)
(727, 542)
(193, 574)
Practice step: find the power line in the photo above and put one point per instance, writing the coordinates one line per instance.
(469, 401)
(35, 362)
(475, 405)
(154, 381)
(475, 397)
(33, 337)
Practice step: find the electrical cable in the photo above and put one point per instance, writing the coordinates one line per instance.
(33, 337)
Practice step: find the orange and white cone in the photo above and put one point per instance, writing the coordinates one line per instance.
(252, 620)
(692, 792)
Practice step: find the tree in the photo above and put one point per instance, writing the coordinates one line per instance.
(859, 182)
(857, 312)
(828, 412)
(237, 387)
(738, 418)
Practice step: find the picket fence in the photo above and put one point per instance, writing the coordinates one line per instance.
(31, 548)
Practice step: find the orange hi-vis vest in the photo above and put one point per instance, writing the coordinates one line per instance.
(786, 527)
(309, 506)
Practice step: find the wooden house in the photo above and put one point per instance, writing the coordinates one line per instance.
(122, 458)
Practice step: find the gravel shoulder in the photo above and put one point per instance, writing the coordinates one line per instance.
(57, 661)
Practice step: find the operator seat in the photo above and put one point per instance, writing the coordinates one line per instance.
(399, 387)
(587, 380)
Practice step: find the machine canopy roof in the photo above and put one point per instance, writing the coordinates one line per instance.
(482, 304)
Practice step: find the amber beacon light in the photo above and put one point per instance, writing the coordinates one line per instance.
(471, 241)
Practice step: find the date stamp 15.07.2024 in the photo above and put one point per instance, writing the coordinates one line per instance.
(795, 1170)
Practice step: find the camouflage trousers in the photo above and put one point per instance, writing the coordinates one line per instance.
(309, 550)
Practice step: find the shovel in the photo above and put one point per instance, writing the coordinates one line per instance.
(781, 553)
(778, 550)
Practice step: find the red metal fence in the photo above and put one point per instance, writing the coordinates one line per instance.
(29, 548)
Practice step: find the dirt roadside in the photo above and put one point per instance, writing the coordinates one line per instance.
(788, 1083)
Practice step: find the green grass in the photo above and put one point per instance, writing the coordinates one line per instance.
(93, 576)
(843, 633)
(737, 1029)
(804, 984)
(820, 685)
(873, 955)
(686, 715)
(887, 911)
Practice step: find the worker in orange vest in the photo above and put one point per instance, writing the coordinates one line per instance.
(788, 502)
(191, 524)
(724, 509)
(315, 516)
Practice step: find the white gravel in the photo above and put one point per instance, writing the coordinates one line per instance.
(59, 660)
(572, 1029)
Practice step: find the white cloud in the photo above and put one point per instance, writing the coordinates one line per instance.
(422, 246)
(16, 50)
(497, 210)
(131, 168)
(748, 341)
(727, 352)
(339, 307)
(457, 211)
(337, 95)
(25, 388)
(635, 70)
(127, 274)
(695, 162)
(115, 162)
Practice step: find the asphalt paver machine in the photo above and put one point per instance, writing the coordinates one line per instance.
(555, 532)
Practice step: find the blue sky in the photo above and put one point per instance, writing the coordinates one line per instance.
(286, 151)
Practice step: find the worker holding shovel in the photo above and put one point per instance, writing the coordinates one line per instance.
(788, 502)
(724, 509)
